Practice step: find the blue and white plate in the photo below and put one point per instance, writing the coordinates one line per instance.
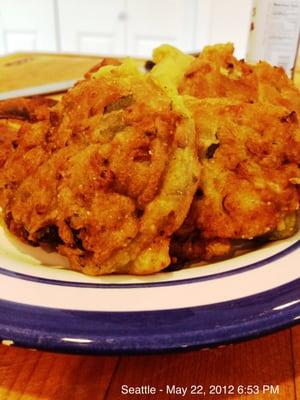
(46, 306)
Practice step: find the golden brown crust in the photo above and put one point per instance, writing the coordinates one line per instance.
(250, 140)
(107, 165)
(216, 73)
(117, 162)
(247, 182)
(26, 109)
(24, 126)
(247, 120)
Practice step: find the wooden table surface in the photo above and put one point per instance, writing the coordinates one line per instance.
(271, 364)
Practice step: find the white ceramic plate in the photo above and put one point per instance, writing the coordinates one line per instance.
(46, 306)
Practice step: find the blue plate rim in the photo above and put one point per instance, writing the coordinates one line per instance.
(93, 332)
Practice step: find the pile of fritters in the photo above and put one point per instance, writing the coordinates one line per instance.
(247, 122)
(130, 171)
(99, 175)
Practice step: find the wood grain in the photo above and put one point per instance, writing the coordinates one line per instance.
(29, 375)
(23, 70)
(32, 375)
(263, 361)
(295, 333)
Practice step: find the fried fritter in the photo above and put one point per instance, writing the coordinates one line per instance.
(8, 134)
(24, 124)
(217, 73)
(247, 120)
(31, 110)
(250, 168)
(202, 152)
(110, 191)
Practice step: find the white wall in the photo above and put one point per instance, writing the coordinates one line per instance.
(131, 27)
(229, 21)
(27, 25)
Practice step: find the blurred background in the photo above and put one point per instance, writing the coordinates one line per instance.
(119, 27)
